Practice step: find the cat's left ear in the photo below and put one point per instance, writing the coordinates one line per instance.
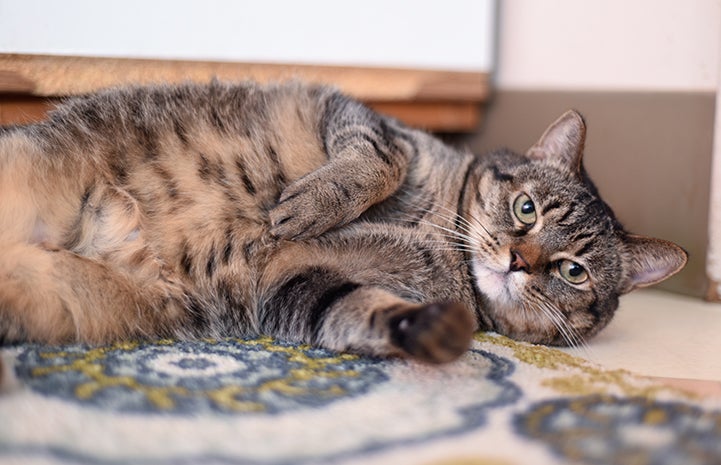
(563, 141)
(649, 261)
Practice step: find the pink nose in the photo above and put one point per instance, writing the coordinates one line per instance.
(518, 263)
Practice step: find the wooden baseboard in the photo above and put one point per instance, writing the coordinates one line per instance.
(432, 116)
(712, 291)
(448, 101)
(23, 109)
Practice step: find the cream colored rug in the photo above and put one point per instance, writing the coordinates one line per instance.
(261, 401)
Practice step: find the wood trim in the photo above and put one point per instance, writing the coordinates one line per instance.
(432, 116)
(448, 101)
(20, 109)
(43, 75)
(712, 291)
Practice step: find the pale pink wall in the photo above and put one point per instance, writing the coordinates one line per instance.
(652, 45)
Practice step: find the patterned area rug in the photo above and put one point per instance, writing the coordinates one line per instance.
(262, 401)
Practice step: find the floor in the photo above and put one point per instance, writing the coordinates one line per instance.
(664, 335)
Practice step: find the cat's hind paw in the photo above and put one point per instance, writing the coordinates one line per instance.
(435, 333)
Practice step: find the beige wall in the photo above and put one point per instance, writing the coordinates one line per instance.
(644, 73)
(648, 152)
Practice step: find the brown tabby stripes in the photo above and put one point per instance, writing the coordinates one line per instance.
(292, 210)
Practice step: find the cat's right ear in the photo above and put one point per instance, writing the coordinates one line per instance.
(563, 142)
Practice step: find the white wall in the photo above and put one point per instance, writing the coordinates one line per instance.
(452, 34)
(609, 44)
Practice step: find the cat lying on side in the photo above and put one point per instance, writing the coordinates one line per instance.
(292, 210)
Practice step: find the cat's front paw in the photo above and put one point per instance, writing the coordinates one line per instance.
(311, 206)
(435, 333)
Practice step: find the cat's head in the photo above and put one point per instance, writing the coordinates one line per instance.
(551, 257)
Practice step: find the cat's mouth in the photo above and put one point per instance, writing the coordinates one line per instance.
(515, 313)
(499, 284)
(504, 292)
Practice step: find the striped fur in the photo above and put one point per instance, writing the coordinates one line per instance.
(294, 211)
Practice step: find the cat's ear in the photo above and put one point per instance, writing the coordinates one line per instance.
(563, 141)
(649, 261)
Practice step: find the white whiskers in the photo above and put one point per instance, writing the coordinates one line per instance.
(569, 334)
(457, 233)
(473, 236)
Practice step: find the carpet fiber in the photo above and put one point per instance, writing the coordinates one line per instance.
(262, 401)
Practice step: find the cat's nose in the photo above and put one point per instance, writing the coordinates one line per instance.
(518, 263)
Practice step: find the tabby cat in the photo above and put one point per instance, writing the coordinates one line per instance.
(292, 210)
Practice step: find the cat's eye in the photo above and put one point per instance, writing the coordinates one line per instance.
(572, 272)
(524, 209)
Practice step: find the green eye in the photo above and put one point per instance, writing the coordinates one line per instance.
(524, 209)
(572, 272)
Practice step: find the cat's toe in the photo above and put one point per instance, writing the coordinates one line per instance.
(290, 223)
(435, 333)
(308, 208)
